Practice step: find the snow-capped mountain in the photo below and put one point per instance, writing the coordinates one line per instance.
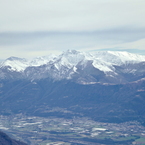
(103, 85)
(20, 64)
(15, 64)
(90, 67)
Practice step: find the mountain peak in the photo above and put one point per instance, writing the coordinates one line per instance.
(71, 51)
(15, 64)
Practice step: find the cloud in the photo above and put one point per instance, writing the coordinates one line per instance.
(35, 27)
(54, 38)
(72, 15)
(44, 42)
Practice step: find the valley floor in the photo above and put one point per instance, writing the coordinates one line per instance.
(77, 131)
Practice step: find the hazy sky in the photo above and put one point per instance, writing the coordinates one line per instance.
(30, 28)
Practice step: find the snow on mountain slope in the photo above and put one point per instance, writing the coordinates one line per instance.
(38, 61)
(69, 59)
(15, 64)
(118, 57)
(20, 64)
(105, 60)
(67, 63)
(102, 60)
(72, 58)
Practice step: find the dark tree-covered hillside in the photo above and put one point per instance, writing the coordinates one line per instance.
(6, 140)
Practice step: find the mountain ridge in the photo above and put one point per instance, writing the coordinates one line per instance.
(77, 66)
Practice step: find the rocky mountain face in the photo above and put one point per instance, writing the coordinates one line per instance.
(106, 86)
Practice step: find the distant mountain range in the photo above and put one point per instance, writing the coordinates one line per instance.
(84, 68)
(104, 85)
